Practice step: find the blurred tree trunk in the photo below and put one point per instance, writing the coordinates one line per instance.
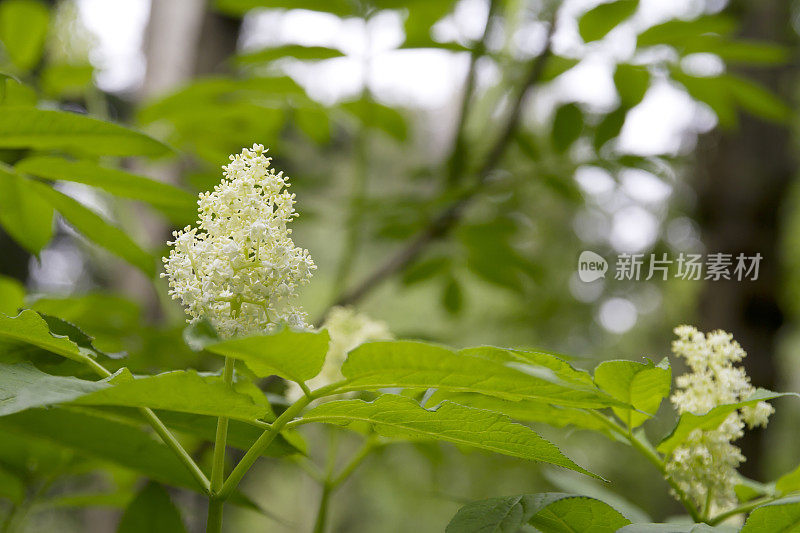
(743, 177)
(184, 39)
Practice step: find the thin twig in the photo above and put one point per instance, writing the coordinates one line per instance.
(744, 508)
(647, 451)
(455, 166)
(442, 223)
(162, 430)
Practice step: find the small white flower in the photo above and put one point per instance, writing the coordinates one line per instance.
(240, 268)
(707, 460)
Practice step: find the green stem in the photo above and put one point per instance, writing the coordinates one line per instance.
(215, 505)
(707, 504)
(744, 508)
(172, 442)
(322, 510)
(162, 431)
(259, 446)
(266, 438)
(214, 517)
(332, 483)
(646, 449)
(357, 459)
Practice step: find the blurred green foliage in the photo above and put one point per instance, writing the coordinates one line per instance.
(471, 241)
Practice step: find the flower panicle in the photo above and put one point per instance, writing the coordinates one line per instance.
(706, 462)
(239, 267)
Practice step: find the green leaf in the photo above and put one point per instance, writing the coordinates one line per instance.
(115, 181)
(27, 127)
(61, 327)
(780, 515)
(559, 367)
(567, 126)
(556, 66)
(23, 387)
(632, 82)
(295, 51)
(240, 7)
(101, 437)
(97, 229)
(453, 297)
(421, 18)
(214, 117)
(757, 99)
(25, 215)
(401, 417)
(571, 483)
(713, 91)
(493, 256)
(526, 410)
(610, 127)
(207, 97)
(747, 489)
(314, 122)
(23, 28)
(678, 32)
(62, 80)
(30, 328)
(12, 296)
(789, 482)
(642, 385)
(549, 512)
(597, 22)
(294, 355)
(11, 486)
(375, 115)
(15, 93)
(739, 51)
(688, 422)
(183, 391)
(151, 511)
(418, 365)
(425, 269)
(676, 528)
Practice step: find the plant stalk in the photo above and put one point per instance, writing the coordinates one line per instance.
(646, 449)
(331, 483)
(322, 510)
(259, 446)
(744, 508)
(163, 431)
(215, 505)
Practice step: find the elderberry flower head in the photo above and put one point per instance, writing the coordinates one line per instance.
(239, 268)
(348, 329)
(704, 465)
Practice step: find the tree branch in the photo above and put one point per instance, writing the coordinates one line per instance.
(448, 218)
(455, 166)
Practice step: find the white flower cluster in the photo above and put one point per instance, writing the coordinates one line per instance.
(348, 330)
(240, 268)
(705, 464)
